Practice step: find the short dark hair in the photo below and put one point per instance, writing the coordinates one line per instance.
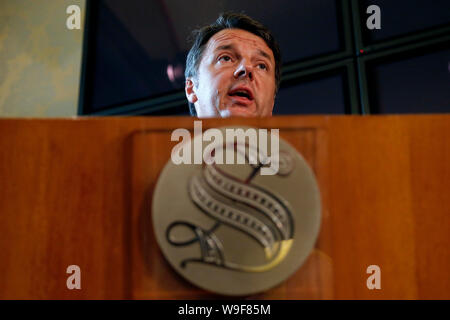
(229, 20)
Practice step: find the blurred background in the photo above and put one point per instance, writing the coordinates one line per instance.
(129, 56)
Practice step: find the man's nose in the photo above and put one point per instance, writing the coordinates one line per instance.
(244, 70)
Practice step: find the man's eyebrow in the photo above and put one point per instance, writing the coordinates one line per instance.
(232, 47)
(225, 47)
(265, 54)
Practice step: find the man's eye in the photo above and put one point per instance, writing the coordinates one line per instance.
(262, 66)
(225, 58)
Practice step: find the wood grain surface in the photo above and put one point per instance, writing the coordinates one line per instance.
(79, 191)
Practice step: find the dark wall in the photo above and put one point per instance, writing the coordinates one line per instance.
(332, 63)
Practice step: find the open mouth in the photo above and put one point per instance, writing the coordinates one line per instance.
(241, 93)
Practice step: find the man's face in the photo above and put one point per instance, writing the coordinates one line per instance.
(236, 77)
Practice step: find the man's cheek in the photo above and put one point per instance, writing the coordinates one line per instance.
(222, 98)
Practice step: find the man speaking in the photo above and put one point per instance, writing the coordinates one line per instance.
(233, 69)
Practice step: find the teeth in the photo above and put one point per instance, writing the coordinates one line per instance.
(241, 93)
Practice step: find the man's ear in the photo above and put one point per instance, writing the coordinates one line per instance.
(190, 90)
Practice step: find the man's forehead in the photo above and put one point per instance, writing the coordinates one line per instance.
(231, 38)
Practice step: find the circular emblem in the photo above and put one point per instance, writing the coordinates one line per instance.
(241, 221)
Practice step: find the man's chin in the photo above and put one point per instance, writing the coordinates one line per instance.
(237, 111)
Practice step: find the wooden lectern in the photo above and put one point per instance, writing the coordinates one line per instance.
(79, 192)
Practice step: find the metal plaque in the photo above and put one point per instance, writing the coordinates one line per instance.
(229, 229)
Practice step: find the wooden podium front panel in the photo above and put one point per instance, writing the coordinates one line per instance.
(79, 192)
(154, 278)
(389, 185)
(61, 204)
